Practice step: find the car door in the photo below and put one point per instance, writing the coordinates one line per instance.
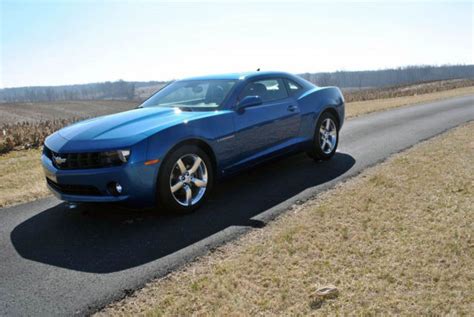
(261, 127)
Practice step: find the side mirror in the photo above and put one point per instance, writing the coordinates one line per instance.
(249, 101)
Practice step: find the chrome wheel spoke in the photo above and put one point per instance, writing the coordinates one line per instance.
(181, 166)
(199, 182)
(189, 195)
(195, 166)
(328, 124)
(177, 186)
(329, 143)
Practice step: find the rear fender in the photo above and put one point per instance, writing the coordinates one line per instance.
(315, 102)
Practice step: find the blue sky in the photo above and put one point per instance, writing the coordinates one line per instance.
(69, 42)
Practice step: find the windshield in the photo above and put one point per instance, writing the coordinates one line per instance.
(195, 94)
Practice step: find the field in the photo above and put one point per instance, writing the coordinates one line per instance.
(12, 113)
(36, 112)
(395, 240)
(406, 90)
(26, 125)
(357, 108)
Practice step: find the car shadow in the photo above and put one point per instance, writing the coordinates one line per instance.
(106, 239)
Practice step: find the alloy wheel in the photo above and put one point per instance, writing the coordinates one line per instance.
(327, 135)
(188, 180)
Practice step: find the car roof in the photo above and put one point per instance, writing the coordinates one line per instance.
(239, 76)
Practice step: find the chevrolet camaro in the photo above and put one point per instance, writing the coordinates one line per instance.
(169, 151)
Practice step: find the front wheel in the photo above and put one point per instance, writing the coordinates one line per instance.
(185, 179)
(326, 138)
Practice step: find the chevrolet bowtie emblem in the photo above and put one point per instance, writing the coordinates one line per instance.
(59, 160)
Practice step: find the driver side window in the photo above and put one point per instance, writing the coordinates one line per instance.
(267, 90)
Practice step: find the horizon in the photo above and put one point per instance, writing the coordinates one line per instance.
(162, 41)
(263, 70)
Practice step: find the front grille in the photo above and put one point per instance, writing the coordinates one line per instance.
(80, 160)
(85, 190)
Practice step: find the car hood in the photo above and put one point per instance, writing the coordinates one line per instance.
(129, 124)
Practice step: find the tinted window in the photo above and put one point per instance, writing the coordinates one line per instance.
(267, 89)
(293, 87)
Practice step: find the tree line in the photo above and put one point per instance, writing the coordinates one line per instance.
(117, 90)
(390, 77)
(123, 90)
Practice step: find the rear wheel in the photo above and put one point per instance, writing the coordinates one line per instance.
(185, 179)
(326, 138)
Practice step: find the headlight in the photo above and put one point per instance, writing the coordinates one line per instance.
(115, 157)
(123, 155)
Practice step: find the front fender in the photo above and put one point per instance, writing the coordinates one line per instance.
(208, 130)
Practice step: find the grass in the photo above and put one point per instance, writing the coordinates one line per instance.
(21, 177)
(406, 90)
(396, 239)
(29, 135)
(357, 108)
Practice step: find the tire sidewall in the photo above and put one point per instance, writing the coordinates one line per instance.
(165, 198)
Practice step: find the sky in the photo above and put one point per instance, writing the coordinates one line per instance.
(72, 42)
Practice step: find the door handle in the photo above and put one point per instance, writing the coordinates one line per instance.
(292, 108)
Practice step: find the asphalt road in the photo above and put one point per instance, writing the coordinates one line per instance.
(57, 261)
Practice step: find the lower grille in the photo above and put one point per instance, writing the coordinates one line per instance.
(84, 190)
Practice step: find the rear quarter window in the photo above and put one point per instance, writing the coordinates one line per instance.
(293, 87)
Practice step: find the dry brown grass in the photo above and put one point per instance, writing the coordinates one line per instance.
(397, 239)
(357, 108)
(28, 135)
(21, 177)
(406, 90)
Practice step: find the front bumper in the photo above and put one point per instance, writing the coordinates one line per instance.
(137, 180)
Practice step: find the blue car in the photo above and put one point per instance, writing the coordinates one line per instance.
(169, 151)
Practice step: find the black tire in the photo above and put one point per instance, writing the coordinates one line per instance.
(166, 199)
(317, 152)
